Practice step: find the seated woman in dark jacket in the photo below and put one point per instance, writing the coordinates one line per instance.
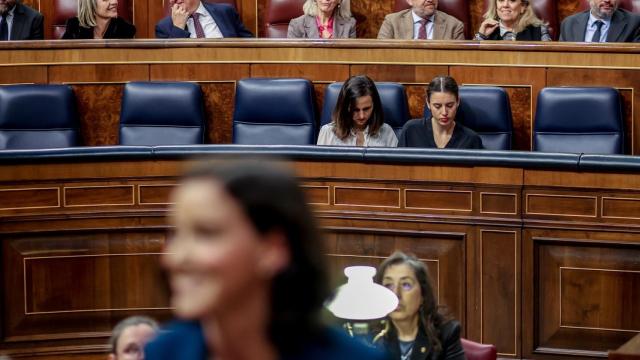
(98, 19)
(441, 130)
(512, 20)
(417, 329)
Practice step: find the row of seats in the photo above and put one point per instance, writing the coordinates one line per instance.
(282, 112)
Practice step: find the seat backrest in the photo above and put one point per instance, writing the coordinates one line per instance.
(579, 120)
(166, 4)
(38, 117)
(274, 112)
(162, 113)
(393, 98)
(456, 8)
(278, 13)
(477, 351)
(65, 9)
(544, 9)
(485, 110)
(630, 5)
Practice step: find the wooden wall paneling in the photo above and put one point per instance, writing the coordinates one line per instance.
(98, 74)
(23, 75)
(260, 6)
(626, 81)
(476, 9)
(141, 19)
(248, 10)
(47, 10)
(369, 16)
(155, 12)
(566, 8)
(521, 83)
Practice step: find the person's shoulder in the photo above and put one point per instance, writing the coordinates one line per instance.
(449, 328)
(73, 23)
(575, 16)
(397, 15)
(628, 15)
(466, 130)
(125, 28)
(179, 339)
(298, 20)
(447, 18)
(27, 9)
(338, 346)
(226, 8)
(413, 123)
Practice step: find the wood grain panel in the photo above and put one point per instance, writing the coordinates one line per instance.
(155, 194)
(23, 75)
(155, 12)
(499, 290)
(311, 72)
(99, 110)
(496, 203)
(400, 73)
(439, 199)
(29, 198)
(569, 205)
(317, 195)
(625, 208)
(98, 73)
(218, 105)
(476, 10)
(141, 19)
(198, 72)
(567, 7)
(98, 196)
(369, 16)
(361, 196)
(416, 96)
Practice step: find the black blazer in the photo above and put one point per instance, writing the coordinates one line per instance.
(27, 24)
(118, 29)
(625, 27)
(449, 337)
(530, 33)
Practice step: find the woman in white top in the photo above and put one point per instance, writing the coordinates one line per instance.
(358, 118)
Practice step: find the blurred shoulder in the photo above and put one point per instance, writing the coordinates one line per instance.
(336, 345)
(178, 340)
(398, 15)
(447, 18)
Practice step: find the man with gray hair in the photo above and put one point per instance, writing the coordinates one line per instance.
(603, 22)
(19, 22)
(130, 336)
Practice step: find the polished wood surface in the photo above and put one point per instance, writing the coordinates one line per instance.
(629, 351)
(541, 263)
(98, 70)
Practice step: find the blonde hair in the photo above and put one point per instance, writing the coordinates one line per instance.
(343, 9)
(87, 13)
(524, 20)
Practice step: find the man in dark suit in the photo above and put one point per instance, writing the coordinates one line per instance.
(199, 19)
(19, 22)
(604, 22)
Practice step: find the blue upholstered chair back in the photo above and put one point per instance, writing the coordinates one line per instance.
(485, 110)
(579, 120)
(162, 113)
(38, 117)
(393, 98)
(274, 112)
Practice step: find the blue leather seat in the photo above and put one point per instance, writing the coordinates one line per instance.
(485, 110)
(393, 98)
(579, 120)
(38, 117)
(274, 112)
(162, 113)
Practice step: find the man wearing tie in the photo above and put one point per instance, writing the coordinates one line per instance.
(423, 21)
(19, 22)
(604, 22)
(199, 19)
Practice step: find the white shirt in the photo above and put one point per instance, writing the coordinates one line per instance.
(211, 30)
(591, 29)
(385, 137)
(9, 22)
(428, 25)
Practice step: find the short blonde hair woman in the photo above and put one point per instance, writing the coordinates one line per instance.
(98, 19)
(512, 20)
(323, 19)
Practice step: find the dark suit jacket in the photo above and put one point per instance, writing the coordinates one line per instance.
(118, 28)
(449, 337)
(305, 27)
(530, 33)
(625, 27)
(185, 341)
(27, 24)
(225, 16)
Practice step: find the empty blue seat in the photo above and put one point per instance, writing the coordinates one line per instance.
(485, 110)
(162, 113)
(393, 98)
(274, 112)
(579, 120)
(38, 117)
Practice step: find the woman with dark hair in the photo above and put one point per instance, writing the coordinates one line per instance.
(246, 270)
(417, 329)
(98, 19)
(441, 130)
(358, 118)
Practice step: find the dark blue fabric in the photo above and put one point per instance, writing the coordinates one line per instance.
(274, 112)
(88, 153)
(393, 98)
(602, 163)
(579, 120)
(485, 110)
(38, 117)
(225, 16)
(185, 341)
(162, 113)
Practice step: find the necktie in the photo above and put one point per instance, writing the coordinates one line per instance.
(422, 32)
(597, 34)
(4, 28)
(197, 25)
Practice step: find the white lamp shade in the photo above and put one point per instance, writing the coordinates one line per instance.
(360, 298)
